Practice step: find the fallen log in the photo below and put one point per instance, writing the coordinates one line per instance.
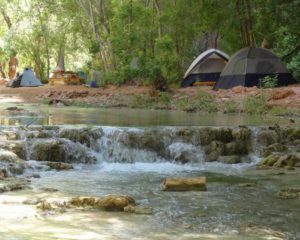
(184, 184)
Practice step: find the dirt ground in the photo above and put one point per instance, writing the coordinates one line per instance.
(288, 97)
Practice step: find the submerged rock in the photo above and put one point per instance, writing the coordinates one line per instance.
(59, 165)
(13, 184)
(184, 184)
(138, 210)
(289, 193)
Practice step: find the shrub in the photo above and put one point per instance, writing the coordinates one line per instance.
(269, 81)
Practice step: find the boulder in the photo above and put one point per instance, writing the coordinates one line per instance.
(86, 136)
(280, 160)
(115, 202)
(9, 135)
(236, 148)
(232, 159)
(268, 137)
(275, 147)
(241, 134)
(184, 184)
(107, 203)
(59, 150)
(17, 147)
(214, 150)
(10, 163)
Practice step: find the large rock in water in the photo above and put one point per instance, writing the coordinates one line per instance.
(10, 163)
(280, 160)
(59, 150)
(86, 136)
(107, 203)
(268, 137)
(184, 184)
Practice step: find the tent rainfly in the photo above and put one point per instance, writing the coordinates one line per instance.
(247, 66)
(206, 68)
(26, 79)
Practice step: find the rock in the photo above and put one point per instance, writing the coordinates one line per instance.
(13, 184)
(138, 210)
(59, 165)
(38, 134)
(238, 89)
(85, 136)
(232, 159)
(280, 161)
(45, 206)
(184, 184)
(46, 189)
(60, 150)
(267, 137)
(107, 203)
(289, 193)
(214, 150)
(14, 109)
(11, 163)
(17, 147)
(250, 184)
(241, 134)
(115, 202)
(275, 147)
(282, 93)
(233, 148)
(9, 135)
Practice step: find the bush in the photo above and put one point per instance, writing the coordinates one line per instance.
(269, 81)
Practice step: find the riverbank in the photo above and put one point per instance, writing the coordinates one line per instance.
(284, 101)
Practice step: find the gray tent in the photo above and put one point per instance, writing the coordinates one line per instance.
(206, 68)
(247, 66)
(26, 79)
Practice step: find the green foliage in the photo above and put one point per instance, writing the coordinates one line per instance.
(230, 107)
(255, 105)
(269, 81)
(206, 102)
(133, 41)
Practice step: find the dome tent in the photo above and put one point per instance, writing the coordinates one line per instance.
(26, 79)
(247, 66)
(206, 68)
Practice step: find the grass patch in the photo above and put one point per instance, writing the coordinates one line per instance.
(255, 105)
(280, 111)
(230, 107)
(206, 102)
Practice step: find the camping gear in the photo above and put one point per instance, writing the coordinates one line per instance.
(249, 65)
(26, 79)
(206, 68)
(60, 77)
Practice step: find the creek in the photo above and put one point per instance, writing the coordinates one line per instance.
(118, 155)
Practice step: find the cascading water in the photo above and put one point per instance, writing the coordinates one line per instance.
(134, 161)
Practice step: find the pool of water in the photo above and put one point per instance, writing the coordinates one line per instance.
(44, 115)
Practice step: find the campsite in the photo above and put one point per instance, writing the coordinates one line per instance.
(149, 119)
